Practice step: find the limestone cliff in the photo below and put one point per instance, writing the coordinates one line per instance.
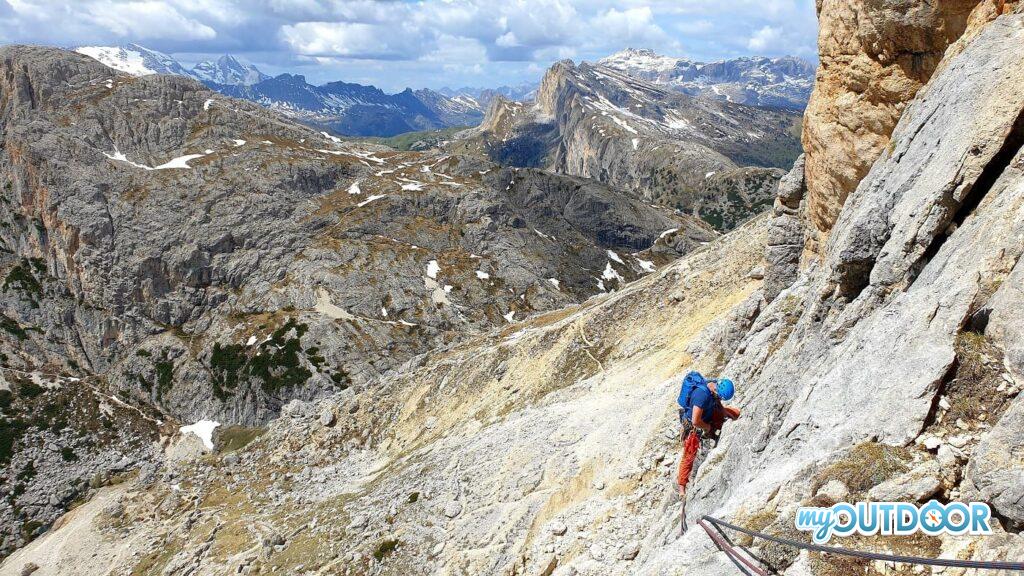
(715, 160)
(198, 257)
(888, 369)
(874, 56)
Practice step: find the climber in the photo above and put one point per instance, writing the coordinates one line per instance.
(702, 415)
(700, 404)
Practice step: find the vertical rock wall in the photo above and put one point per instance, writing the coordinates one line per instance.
(875, 55)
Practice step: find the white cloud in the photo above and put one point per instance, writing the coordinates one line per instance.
(763, 39)
(145, 20)
(700, 26)
(632, 26)
(507, 40)
(353, 40)
(349, 39)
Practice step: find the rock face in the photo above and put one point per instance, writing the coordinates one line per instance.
(786, 237)
(209, 258)
(550, 447)
(874, 56)
(665, 147)
(758, 81)
(227, 70)
(61, 439)
(918, 250)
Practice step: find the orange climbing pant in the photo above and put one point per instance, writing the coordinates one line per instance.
(690, 448)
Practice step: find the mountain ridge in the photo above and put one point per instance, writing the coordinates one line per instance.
(345, 108)
(676, 150)
(756, 80)
(188, 257)
(884, 363)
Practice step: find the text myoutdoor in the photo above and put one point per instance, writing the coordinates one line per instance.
(894, 519)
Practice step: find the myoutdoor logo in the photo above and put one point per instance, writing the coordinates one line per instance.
(894, 519)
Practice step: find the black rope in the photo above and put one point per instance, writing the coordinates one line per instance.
(952, 563)
(727, 548)
(729, 540)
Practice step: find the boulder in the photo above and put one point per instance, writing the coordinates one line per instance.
(327, 417)
(920, 483)
(834, 490)
(452, 509)
(630, 551)
(996, 467)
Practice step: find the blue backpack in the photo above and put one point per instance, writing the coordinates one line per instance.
(691, 382)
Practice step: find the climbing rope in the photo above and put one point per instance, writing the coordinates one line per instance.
(947, 562)
(723, 543)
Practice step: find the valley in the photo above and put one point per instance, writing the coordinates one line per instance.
(254, 325)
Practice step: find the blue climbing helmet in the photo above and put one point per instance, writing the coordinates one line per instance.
(725, 389)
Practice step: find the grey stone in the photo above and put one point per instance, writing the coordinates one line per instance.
(630, 551)
(786, 234)
(359, 522)
(994, 466)
(891, 293)
(452, 509)
(834, 490)
(917, 485)
(327, 417)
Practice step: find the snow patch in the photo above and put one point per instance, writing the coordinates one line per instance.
(120, 157)
(354, 188)
(610, 273)
(334, 139)
(203, 429)
(482, 275)
(179, 162)
(370, 199)
(615, 257)
(432, 269)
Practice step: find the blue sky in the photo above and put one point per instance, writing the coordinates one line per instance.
(393, 44)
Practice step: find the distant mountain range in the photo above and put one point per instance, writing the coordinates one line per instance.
(521, 93)
(358, 110)
(756, 80)
(709, 158)
(344, 108)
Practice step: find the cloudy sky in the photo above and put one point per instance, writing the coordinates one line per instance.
(432, 43)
